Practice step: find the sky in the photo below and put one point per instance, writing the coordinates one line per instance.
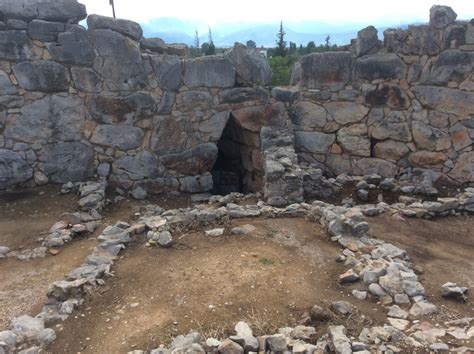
(215, 12)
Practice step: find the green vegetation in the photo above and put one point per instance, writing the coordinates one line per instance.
(282, 59)
(266, 261)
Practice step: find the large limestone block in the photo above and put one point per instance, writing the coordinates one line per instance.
(313, 142)
(6, 87)
(308, 115)
(249, 65)
(73, 47)
(194, 161)
(170, 135)
(451, 65)
(379, 66)
(15, 45)
(168, 70)
(14, 169)
(445, 99)
(210, 71)
(126, 27)
(346, 112)
(51, 118)
(429, 138)
(394, 126)
(390, 150)
(326, 71)
(45, 31)
(441, 16)
(86, 80)
(142, 165)
(68, 11)
(68, 161)
(463, 170)
(366, 42)
(370, 165)
(354, 140)
(427, 159)
(42, 75)
(124, 137)
(388, 95)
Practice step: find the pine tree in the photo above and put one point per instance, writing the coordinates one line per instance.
(328, 38)
(197, 45)
(212, 48)
(280, 50)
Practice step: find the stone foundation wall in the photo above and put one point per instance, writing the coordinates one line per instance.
(387, 107)
(79, 103)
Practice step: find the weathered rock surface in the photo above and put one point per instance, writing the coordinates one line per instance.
(43, 75)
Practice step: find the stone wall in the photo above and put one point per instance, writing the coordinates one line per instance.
(388, 107)
(79, 103)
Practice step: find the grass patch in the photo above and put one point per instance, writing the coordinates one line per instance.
(266, 261)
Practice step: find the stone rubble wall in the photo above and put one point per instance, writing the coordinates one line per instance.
(406, 103)
(80, 103)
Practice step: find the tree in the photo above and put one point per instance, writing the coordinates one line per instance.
(205, 48)
(328, 38)
(251, 44)
(197, 45)
(280, 49)
(311, 47)
(292, 48)
(211, 50)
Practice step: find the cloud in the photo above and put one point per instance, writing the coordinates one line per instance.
(334, 11)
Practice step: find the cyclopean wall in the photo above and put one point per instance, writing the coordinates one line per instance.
(77, 103)
(383, 108)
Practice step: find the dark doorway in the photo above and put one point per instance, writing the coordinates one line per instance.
(238, 167)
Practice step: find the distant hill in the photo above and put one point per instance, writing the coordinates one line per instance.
(173, 30)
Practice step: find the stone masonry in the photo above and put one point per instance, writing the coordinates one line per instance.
(80, 103)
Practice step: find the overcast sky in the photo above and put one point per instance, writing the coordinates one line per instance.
(329, 11)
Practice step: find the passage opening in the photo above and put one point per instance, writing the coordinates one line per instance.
(238, 167)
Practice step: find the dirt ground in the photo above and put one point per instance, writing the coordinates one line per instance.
(27, 215)
(443, 247)
(207, 284)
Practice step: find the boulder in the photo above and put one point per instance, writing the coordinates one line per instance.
(48, 119)
(45, 31)
(73, 47)
(42, 75)
(6, 87)
(14, 170)
(346, 112)
(390, 150)
(194, 161)
(168, 71)
(313, 142)
(463, 170)
(67, 11)
(123, 137)
(370, 165)
(427, 159)
(441, 16)
(142, 165)
(445, 99)
(210, 71)
(366, 42)
(451, 65)
(242, 94)
(121, 110)
(308, 115)
(156, 45)
(85, 79)
(250, 67)
(126, 27)
(354, 140)
(379, 66)
(179, 49)
(394, 126)
(388, 95)
(324, 71)
(429, 138)
(68, 161)
(27, 326)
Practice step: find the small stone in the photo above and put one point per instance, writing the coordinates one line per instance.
(439, 347)
(165, 239)
(452, 290)
(277, 343)
(341, 307)
(53, 251)
(397, 312)
(340, 341)
(401, 299)
(398, 323)
(215, 232)
(230, 347)
(361, 295)
(376, 290)
(242, 329)
(363, 194)
(243, 230)
(139, 193)
(349, 277)
(47, 336)
(423, 308)
(318, 314)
